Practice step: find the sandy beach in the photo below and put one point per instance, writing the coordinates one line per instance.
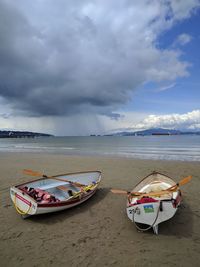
(98, 232)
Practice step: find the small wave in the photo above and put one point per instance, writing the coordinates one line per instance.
(179, 149)
(41, 147)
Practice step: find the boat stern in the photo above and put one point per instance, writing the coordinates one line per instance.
(23, 203)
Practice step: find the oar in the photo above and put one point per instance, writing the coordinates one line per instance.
(156, 193)
(119, 191)
(140, 194)
(38, 174)
(163, 192)
(181, 182)
(124, 192)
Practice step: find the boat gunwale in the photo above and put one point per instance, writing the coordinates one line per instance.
(54, 176)
(154, 172)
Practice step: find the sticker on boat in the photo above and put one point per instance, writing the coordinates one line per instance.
(148, 208)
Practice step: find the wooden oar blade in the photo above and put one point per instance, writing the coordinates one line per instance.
(182, 182)
(32, 173)
(27, 171)
(185, 180)
(119, 191)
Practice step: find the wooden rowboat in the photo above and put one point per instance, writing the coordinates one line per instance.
(153, 200)
(158, 200)
(55, 193)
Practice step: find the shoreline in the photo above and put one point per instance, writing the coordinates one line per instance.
(98, 232)
(85, 155)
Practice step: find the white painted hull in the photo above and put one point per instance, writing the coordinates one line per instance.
(160, 209)
(27, 206)
(42, 210)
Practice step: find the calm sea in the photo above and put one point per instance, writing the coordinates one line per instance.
(185, 148)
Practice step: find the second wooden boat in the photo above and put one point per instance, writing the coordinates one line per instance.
(157, 200)
(153, 200)
(55, 193)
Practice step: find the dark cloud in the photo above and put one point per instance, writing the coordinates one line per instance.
(62, 58)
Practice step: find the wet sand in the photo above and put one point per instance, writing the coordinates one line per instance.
(98, 232)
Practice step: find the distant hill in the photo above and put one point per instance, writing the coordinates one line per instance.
(156, 131)
(21, 134)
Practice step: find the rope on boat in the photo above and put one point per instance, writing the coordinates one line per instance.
(17, 208)
(85, 189)
(149, 227)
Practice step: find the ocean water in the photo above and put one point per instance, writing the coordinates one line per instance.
(185, 148)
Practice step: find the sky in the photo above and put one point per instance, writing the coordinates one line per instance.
(96, 67)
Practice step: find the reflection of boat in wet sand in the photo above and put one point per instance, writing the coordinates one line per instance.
(55, 193)
(153, 200)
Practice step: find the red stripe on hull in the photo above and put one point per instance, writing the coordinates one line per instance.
(23, 199)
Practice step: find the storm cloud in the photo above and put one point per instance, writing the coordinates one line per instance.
(75, 57)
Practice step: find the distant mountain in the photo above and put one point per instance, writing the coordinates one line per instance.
(21, 134)
(156, 131)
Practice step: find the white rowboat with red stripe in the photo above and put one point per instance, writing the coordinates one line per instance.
(55, 193)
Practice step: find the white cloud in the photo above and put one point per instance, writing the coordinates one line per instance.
(183, 39)
(190, 120)
(182, 8)
(165, 87)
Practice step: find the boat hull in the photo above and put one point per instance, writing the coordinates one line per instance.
(23, 203)
(147, 213)
(151, 211)
(27, 205)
